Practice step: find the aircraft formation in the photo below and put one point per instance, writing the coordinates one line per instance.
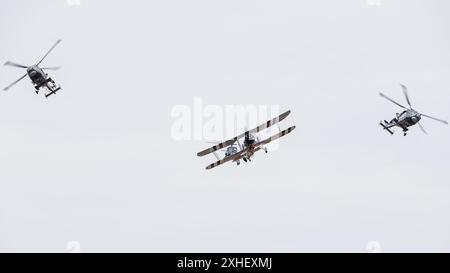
(234, 150)
(251, 144)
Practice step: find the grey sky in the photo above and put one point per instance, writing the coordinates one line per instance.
(96, 164)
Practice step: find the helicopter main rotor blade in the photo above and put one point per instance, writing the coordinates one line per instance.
(51, 68)
(440, 120)
(421, 128)
(9, 86)
(15, 65)
(48, 52)
(405, 92)
(391, 100)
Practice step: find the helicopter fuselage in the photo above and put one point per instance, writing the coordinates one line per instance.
(407, 118)
(37, 75)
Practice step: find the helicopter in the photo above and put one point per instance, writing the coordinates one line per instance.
(409, 117)
(37, 75)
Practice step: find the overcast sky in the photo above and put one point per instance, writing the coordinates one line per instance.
(96, 164)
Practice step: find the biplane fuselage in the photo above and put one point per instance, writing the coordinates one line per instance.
(231, 150)
(249, 146)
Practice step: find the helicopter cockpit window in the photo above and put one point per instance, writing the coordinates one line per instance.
(34, 75)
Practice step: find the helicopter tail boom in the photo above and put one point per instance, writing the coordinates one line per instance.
(386, 128)
(52, 92)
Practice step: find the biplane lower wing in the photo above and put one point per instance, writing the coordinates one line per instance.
(277, 136)
(258, 146)
(233, 157)
(261, 127)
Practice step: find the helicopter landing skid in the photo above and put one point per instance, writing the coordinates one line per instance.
(52, 92)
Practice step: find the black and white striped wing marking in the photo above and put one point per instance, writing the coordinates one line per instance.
(277, 136)
(241, 154)
(217, 147)
(233, 157)
(255, 130)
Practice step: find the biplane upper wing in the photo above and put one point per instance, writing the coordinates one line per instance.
(233, 157)
(261, 127)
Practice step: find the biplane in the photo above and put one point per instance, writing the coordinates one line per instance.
(235, 150)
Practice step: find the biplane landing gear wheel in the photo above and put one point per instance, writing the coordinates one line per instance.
(245, 159)
(36, 89)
